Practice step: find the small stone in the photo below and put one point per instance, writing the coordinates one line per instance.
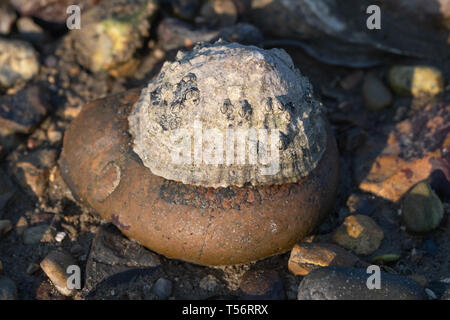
(31, 178)
(35, 234)
(342, 283)
(21, 225)
(54, 136)
(55, 267)
(111, 253)
(60, 236)
(19, 62)
(162, 288)
(416, 80)
(360, 234)
(30, 31)
(5, 227)
(209, 283)
(112, 32)
(8, 289)
(24, 110)
(262, 285)
(306, 257)
(375, 94)
(32, 268)
(218, 13)
(422, 210)
(7, 18)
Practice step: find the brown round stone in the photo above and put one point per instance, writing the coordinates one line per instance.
(209, 226)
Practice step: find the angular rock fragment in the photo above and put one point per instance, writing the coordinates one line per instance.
(400, 156)
(24, 110)
(55, 265)
(306, 257)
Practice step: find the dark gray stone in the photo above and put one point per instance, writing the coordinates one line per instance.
(342, 283)
(162, 288)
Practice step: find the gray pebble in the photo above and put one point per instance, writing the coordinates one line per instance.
(342, 283)
(162, 288)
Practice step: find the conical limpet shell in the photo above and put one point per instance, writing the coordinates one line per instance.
(226, 89)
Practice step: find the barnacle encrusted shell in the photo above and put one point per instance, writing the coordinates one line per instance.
(224, 86)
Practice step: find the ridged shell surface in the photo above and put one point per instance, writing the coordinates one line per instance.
(226, 114)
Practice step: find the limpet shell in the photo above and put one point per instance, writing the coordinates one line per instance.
(209, 94)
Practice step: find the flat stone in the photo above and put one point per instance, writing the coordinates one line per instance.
(112, 253)
(55, 266)
(24, 110)
(422, 210)
(262, 285)
(342, 283)
(392, 162)
(360, 234)
(8, 289)
(306, 257)
(162, 288)
(19, 62)
(34, 235)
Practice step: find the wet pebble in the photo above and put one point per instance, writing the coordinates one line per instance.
(375, 94)
(422, 210)
(162, 288)
(359, 233)
(262, 285)
(342, 283)
(55, 266)
(416, 80)
(8, 289)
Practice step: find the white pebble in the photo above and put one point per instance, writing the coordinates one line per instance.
(60, 236)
